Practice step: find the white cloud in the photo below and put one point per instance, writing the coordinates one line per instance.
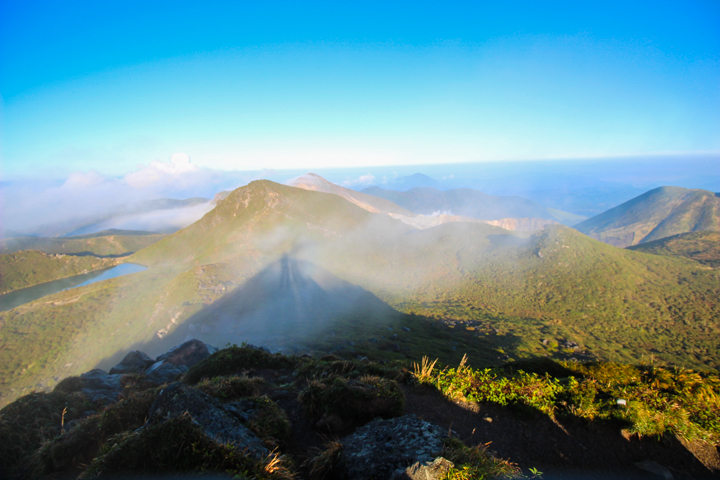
(161, 172)
(363, 180)
(57, 208)
(84, 179)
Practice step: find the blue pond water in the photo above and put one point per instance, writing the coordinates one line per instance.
(25, 295)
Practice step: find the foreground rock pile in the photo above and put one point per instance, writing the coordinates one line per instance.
(241, 411)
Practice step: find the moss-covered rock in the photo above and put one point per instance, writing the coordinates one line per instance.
(31, 420)
(79, 446)
(179, 445)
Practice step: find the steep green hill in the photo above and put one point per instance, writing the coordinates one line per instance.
(471, 203)
(501, 294)
(659, 213)
(30, 267)
(108, 243)
(703, 247)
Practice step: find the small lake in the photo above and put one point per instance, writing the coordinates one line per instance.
(29, 294)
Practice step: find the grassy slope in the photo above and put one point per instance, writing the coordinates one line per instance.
(516, 289)
(107, 245)
(28, 268)
(656, 214)
(703, 247)
(470, 203)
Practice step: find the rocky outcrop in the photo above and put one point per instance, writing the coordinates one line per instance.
(218, 422)
(384, 449)
(134, 362)
(104, 388)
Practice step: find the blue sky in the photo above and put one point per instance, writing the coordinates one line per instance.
(112, 86)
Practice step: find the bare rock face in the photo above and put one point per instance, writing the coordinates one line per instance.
(221, 424)
(133, 362)
(384, 449)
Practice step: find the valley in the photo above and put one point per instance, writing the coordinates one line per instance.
(272, 253)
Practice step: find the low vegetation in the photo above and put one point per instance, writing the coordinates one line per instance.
(31, 267)
(702, 247)
(66, 436)
(645, 400)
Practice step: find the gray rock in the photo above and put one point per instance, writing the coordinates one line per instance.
(217, 422)
(101, 387)
(188, 353)
(164, 372)
(382, 447)
(176, 361)
(133, 362)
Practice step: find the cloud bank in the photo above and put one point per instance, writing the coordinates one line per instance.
(56, 208)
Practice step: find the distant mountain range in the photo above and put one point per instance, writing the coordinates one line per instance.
(108, 243)
(379, 204)
(269, 249)
(659, 213)
(470, 203)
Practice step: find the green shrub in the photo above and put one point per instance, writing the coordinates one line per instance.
(233, 360)
(472, 463)
(230, 388)
(31, 420)
(79, 446)
(354, 401)
(269, 422)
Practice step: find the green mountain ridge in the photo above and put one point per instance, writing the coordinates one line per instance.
(499, 293)
(656, 214)
(703, 247)
(31, 267)
(108, 243)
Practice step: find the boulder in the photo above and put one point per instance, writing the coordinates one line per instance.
(187, 354)
(384, 449)
(178, 360)
(223, 425)
(101, 387)
(134, 362)
(164, 372)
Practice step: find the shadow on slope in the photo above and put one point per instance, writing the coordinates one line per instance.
(289, 303)
(297, 307)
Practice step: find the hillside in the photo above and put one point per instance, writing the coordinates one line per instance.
(659, 213)
(703, 247)
(108, 243)
(470, 203)
(500, 294)
(27, 268)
